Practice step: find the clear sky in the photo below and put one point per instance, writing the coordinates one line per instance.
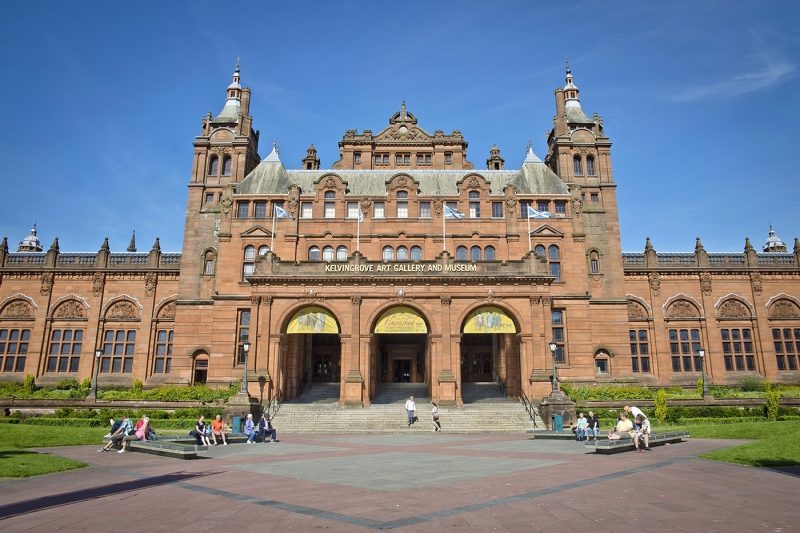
(101, 102)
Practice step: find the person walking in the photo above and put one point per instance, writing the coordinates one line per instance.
(437, 426)
(411, 408)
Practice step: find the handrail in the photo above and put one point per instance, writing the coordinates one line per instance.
(302, 384)
(529, 407)
(275, 404)
(500, 381)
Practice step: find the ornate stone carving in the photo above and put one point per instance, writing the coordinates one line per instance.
(784, 309)
(547, 301)
(167, 312)
(655, 282)
(355, 300)
(330, 183)
(755, 281)
(365, 205)
(474, 182)
(122, 311)
(98, 282)
(268, 300)
(636, 311)
(70, 309)
(402, 296)
(220, 150)
(446, 300)
(17, 309)
(682, 309)
(402, 181)
(733, 309)
(577, 207)
(535, 300)
(150, 283)
(227, 199)
(705, 283)
(490, 297)
(311, 296)
(255, 300)
(47, 283)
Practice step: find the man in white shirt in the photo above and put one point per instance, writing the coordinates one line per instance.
(632, 411)
(410, 408)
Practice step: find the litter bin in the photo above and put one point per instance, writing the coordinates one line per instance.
(236, 425)
(557, 423)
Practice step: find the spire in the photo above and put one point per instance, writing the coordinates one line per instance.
(132, 244)
(698, 246)
(230, 112)
(105, 247)
(571, 91)
(648, 246)
(156, 245)
(273, 155)
(531, 157)
(54, 247)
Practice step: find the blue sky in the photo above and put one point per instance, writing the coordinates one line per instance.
(102, 100)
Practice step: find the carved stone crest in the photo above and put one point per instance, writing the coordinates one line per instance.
(122, 311)
(755, 281)
(255, 300)
(733, 309)
(705, 283)
(330, 183)
(355, 300)
(150, 283)
(401, 296)
(70, 309)
(636, 311)
(311, 296)
(168, 312)
(490, 297)
(784, 309)
(47, 283)
(446, 300)
(655, 282)
(682, 309)
(474, 182)
(98, 282)
(17, 309)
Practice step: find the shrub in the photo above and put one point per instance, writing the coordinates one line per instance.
(137, 385)
(67, 384)
(752, 385)
(29, 384)
(86, 384)
(661, 406)
(773, 404)
(699, 387)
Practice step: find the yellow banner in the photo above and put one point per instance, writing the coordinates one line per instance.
(489, 320)
(401, 320)
(312, 320)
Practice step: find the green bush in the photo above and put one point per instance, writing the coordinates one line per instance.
(67, 384)
(697, 421)
(170, 393)
(699, 387)
(53, 421)
(773, 404)
(753, 385)
(137, 385)
(661, 406)
(29, 384)
(86, 383)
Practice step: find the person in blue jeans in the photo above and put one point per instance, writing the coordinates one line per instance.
(580, 429)
(593, 429)
(250, 429)
(266, 430)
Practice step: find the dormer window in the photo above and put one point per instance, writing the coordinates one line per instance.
(474, 204)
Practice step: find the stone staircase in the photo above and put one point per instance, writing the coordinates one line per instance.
(485, 410)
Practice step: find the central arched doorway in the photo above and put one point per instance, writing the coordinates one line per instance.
(401, 351)
(490, 349)
(313, 353)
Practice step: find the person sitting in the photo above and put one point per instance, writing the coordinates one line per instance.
(266, 430)
(218, 430)
(138, 434)
(115, 424)
(592, 426)
(642, 434)
(125, 427)
(200, 432)
(580, 427)
(250, 429)
(623, 429)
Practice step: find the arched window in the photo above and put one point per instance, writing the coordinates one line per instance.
(461, 253)
(249, 261)
(594, 262)
(601, 365)
(554, 258)
(402, 204)
(213, 166)
(226, 165)
(475, 253)
(577, 168)
(327, 253)
(488, 253)
(402, 253)
(341, 253)
(330, 204)
(416, 253)
(539, 250)
(474, 204)
(590, 166)
(313, 253)
(262, 250)
(209, 263)
(388, 253)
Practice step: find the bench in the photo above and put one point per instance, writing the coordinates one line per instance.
(178, 450)
(656, 439)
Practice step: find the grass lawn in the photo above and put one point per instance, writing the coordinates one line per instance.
(776, 443)
(16, 461)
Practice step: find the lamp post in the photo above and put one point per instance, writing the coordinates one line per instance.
(97, 355)
(702, 353)
(246, 348)
(553, 348)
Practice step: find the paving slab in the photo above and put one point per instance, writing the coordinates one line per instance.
(406, 482)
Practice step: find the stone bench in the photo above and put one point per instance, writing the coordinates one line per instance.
(178, 450)
(656, 439)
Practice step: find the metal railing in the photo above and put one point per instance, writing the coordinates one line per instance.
(500, 381)
(302, 384)
(274, 404)
(529, 407)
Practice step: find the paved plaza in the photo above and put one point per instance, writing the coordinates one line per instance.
(431, 482)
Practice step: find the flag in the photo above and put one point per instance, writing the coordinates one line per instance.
(360, 216)
(533, 213)
(450, 212)
(281, 212)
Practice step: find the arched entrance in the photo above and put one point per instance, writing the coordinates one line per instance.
(400, 348)
(490, 349)
(313, 352)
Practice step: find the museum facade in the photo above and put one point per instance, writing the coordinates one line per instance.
(401, 262)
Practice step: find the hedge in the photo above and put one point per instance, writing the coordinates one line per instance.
(177, 423)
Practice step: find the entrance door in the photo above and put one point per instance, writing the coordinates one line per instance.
(402, 370)
(477, 358)
(200, 371)
(325, 358)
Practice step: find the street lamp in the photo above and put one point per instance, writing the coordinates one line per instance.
(553, 348)
(246, 348)
(702, 353)
(97, 355)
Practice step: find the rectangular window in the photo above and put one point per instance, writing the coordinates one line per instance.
(402, 209)
(558, 336)
(448, 158)
(118, 347)
(13, 349)
(497, 209)
(242, 209)
(381, 159)
(737, 349)
(378, 210)
(424, 210)
(787, 347)
(65, 350)
(523, 208)
(163, 358)
(306, 210)
(352, 210)
(423, 159)
(330, 209)
(260, 209)
(684, 345)
(402, 159)
(474, 210)
(242, 334)
(543, 205)
(561, 208)
(356, 158)
(595, 197)
(209, 198)
(640, 350)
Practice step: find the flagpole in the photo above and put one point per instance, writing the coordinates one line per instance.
(272, 242)
(444, 216)
(529, 232)
(358, 230)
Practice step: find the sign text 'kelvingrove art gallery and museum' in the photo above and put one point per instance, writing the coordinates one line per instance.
(400, 262)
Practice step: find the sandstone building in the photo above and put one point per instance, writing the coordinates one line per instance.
(402, 262)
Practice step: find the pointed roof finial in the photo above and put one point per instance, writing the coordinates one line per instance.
(273, 155)
(531, 157)
(54, 247)
(698, 245)
(568, 70)
(403, 111)
(648, 246)
(105, 247)
(156, 245)
(132, 244)
(237, 65)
